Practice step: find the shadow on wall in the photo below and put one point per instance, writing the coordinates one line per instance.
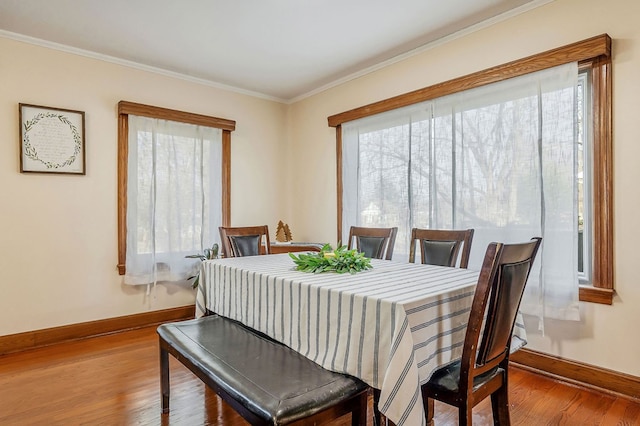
(557, 331)
(172, 287)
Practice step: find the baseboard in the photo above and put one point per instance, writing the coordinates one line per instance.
(50, 336)
(563, 369)
(581, 374)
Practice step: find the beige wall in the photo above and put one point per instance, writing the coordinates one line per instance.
(58, 233)
(606, 336)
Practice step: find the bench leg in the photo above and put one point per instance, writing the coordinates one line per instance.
(377, 416)
(359, 414)
(164, 378)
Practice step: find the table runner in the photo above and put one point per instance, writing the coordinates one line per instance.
(390, 326)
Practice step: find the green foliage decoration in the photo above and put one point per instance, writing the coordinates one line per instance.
(209, 253)
(341, 260)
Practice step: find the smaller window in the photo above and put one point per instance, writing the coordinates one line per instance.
(173, 186)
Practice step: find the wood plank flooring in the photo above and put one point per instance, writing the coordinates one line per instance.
(114, 380)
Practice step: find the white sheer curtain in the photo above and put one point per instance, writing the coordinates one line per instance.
(500, 159)
(173, 198)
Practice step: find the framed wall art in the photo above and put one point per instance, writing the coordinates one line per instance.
(51, 140)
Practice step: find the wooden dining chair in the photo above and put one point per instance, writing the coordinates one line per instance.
(244, 240)
(484, 366)
(441, 247)
(375, 243)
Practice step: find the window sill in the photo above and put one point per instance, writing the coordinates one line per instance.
(596, 295)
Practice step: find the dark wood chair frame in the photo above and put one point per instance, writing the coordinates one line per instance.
(483, 369)
(388, 234)
(463, 238)
(226, 232)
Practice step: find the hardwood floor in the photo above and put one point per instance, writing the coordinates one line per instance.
(114, 380)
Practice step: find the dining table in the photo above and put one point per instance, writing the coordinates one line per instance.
(391, 326)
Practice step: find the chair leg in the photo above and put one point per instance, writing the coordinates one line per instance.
(164, 378)
(500, 406)
(429, 409)
(465, 414)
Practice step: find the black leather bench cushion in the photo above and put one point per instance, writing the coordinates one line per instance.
(271, 380)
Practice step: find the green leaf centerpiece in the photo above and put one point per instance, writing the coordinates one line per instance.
(340, 260)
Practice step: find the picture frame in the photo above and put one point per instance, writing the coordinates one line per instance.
(52, 140)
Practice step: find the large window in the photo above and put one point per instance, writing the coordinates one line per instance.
(427, 159)
(173, 190)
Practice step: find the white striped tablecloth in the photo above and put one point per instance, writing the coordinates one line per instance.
(390, 326)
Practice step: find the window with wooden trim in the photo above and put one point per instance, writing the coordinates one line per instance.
(173, 189)
(594, 59)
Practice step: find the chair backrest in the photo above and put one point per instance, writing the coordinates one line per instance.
(441, 247)
(375, 243)
(496, 301)
(244, 240)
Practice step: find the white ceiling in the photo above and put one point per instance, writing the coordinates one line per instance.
(279, 49)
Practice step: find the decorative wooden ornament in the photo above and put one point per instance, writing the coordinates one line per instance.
(283, 233)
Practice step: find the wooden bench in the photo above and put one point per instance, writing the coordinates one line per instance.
(266, 382)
